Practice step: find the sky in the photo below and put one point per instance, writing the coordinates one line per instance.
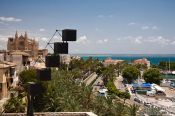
(103, 26)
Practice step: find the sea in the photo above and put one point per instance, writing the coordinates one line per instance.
(154, 59)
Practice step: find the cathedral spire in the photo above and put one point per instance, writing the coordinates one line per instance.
(16, 34)
(25, 35)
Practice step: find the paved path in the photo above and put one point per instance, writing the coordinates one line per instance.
(90, 78)
(118, 83)
(96, 84)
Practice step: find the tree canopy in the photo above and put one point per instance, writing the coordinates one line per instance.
(64, 93)
(152, 75)
(130, 73)
(28, 76)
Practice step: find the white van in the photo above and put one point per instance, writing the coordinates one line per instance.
(150, 93)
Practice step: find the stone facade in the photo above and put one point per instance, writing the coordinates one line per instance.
(7, 78)
(25, 44)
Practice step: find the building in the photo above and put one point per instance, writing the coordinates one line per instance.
(7, 78)
(65, 58)
(42, 52)
(21, 59)
(142, 61)
(25, 44)
(110, 61)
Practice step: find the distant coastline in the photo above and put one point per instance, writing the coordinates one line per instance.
(153, 58)
(124, 54)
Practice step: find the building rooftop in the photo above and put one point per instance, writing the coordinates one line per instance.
(109, 61)
(5, 64)
(20, 53)
(141, 61)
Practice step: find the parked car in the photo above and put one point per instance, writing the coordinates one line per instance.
(147, 104)
(137, 100)
(150, 93)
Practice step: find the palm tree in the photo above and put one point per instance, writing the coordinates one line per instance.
(132, 110)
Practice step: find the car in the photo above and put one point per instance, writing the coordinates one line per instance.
(147, 104)
(137, 100)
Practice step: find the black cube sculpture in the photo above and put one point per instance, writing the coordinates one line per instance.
(35, 89)
(44, 74)
(69, 35)
(52, 61)
(60, 48)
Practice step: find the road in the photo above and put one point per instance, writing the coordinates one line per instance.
(96, 84)
(119, 84)
(90, 78)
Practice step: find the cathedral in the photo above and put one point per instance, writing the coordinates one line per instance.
(25, 44)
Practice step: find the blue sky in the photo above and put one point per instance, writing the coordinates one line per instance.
(103, 26)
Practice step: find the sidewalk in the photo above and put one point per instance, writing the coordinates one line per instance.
(118, 83)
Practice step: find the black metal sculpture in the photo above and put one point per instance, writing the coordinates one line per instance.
(50, 61)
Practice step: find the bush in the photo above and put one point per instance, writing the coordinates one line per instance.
(28, 76)
(111, 88)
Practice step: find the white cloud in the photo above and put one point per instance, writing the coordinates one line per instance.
(82, 39)
(42, 29)
(4, 38)
(3, 41)
(102, 41)
(149, 27)
(96, 29)
(157, 40)
(154, 28)
(10, 19)
(1, 22)
(44, 39)
(173, 42)
(105, 16)
(111, 16)
(105, 40)
(100, 16)
(138, 40)
(57, 38)
(147, 40)
(145, 27)
(132, 23)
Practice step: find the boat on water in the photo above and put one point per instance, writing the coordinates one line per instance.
(168, 72)
(173, 72)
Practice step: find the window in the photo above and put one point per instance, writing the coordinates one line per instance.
(0, 87)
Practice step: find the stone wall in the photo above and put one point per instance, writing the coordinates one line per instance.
(52, 114)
